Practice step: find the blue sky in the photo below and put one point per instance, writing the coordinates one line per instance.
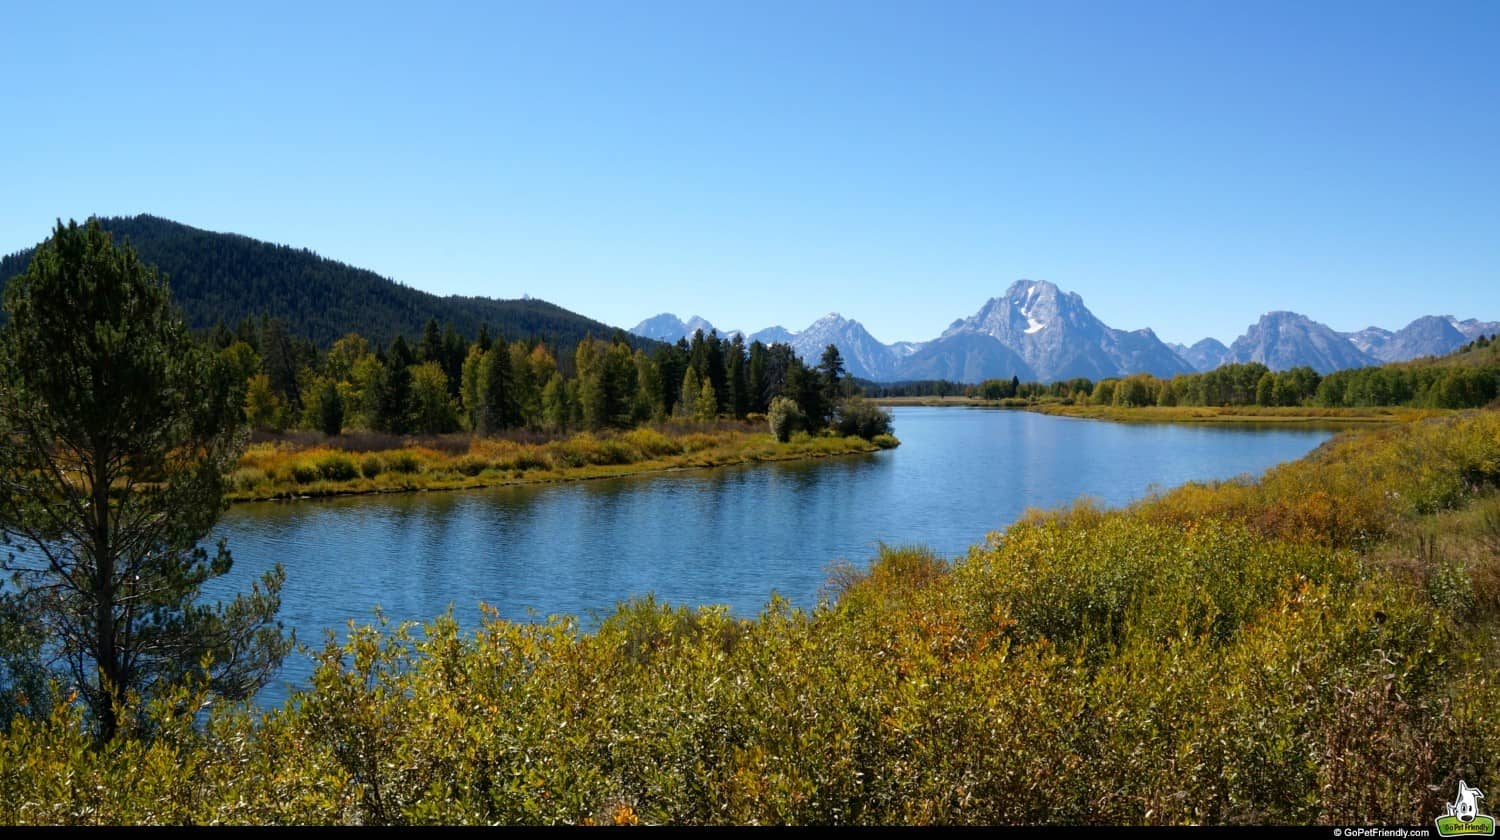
(1184, 166)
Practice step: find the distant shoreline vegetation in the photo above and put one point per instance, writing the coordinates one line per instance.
(1250, 392)
(1276, 415)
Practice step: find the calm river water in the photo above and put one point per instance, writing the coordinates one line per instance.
(727, 536)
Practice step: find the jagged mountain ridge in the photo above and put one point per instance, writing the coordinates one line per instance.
(1203, 355)
(1036, 331)
(1046, 334)
(1282, 340)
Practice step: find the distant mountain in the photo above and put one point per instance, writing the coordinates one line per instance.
(963, 357)
(1426, 336)
(226, 277)
(1059, 338)
(1473, 327)
(1370, 340)
(669, 328)
(1039, 332)
(772, 335)
(1283, 340)
(864, 357)
(902, 349)
(1205, 355)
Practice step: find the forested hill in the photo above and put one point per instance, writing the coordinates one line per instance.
(227, 277)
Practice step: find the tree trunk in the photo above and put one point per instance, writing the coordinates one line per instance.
(106, 651)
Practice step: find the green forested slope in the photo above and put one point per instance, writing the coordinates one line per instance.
(222, 277)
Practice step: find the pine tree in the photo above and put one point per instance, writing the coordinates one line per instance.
(330, 408)
(831, 370)
(756, 380)
(431, 348)
(494, 392)
(118, 431)
(738, 401)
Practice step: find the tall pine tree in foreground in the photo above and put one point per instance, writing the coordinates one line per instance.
(116, 430)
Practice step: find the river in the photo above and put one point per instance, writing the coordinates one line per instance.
(725, 536)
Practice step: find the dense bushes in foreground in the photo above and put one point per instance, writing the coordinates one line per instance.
(1316, 646)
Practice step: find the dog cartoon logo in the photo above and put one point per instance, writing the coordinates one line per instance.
(1463, 818)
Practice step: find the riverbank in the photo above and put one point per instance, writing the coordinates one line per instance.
(294, 469)
(1182, 414)
(1279, 415)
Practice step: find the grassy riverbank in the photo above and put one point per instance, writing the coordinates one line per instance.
(1316, 646)
(1237, 414)
(292, 468)
(1182, 414)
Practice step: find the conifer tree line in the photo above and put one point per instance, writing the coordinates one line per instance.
(443, 382)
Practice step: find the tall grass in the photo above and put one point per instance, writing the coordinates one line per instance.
(309, 465)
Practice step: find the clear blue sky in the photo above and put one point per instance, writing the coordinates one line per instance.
(1184, 166)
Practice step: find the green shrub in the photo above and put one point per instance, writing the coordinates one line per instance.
(337, 468)
(371, 466)
(859, 416)
(471, 466)
(403, 462)
(785, 417)
(304, 473)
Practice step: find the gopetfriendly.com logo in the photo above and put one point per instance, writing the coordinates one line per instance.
(1463, 818)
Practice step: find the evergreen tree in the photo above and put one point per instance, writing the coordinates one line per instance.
(715, 370)
(391, 392)
(494, 392)
(400, 354)
(831, 370)
(118, 431)
(431, 347)
(455, 349)
(671, 360)
(330, 408)
(805, 388)
(755, 383)
(736, 381)
(279, 360)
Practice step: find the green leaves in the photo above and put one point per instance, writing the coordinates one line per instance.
(119, 432)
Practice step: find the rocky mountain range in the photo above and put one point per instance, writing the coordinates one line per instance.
(1282, 340)
(1038, 332)
(1430, 335)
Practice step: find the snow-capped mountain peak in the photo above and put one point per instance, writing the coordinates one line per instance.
(1039, 332)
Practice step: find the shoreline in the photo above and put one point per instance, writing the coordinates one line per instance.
(1185, 414)
(805, 449)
